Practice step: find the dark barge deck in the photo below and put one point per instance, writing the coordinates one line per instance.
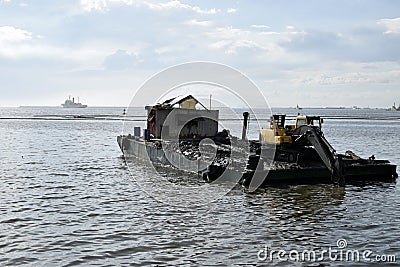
(272, 173)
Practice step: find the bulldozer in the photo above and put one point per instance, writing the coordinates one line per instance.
(303, 142)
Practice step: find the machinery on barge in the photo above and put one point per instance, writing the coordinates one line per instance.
(297, 153)
(305, 155)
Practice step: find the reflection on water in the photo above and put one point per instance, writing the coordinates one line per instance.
(67, 198)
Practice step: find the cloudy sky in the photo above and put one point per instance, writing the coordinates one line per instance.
(311, 53)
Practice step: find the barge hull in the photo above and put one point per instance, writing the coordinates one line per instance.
(147, 150)
(381, 173)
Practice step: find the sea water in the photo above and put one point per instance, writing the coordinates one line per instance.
(67, 198)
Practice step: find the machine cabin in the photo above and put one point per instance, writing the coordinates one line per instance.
(179, 117)
(279, 133)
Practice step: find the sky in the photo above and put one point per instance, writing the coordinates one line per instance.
(310, 53)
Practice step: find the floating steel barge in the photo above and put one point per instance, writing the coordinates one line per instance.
(283, 154)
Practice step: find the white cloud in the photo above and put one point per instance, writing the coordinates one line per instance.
(227, 32)
(290, 28)
(21, 4)
(269, 33)
(231, 10)
(392, 25)
(343, 78)
(121, 60)
(101, 5)
(195, 22)
(105, 5)
(348, 73)
(97, 5)
(231, 40)
(175, 4)
(23, 45)
(233, 46)
(258, 26)
(11, 34)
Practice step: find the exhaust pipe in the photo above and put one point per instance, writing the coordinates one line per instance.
(245, 123)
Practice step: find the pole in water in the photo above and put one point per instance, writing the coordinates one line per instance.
(245, 123)
(210, 101)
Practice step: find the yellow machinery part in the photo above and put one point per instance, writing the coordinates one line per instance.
(277, 136)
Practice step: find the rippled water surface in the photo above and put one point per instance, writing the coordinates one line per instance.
(67, 198)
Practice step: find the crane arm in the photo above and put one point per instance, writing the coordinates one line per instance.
(326, 152)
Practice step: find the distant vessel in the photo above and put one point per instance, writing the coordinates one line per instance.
(72, 104)
(298, 108)
(394, 107)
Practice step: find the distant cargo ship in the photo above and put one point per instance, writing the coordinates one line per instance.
(72, 104)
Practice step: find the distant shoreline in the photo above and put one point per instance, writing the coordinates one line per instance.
(213, 107)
